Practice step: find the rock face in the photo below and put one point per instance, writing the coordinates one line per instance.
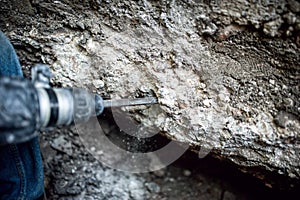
(226, 74)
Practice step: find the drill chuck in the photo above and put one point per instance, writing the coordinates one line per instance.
(60, 106)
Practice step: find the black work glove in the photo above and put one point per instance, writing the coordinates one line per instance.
(19, 113)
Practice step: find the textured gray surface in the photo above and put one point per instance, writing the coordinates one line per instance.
(226, 74)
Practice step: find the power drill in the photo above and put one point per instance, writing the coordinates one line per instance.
(29, 106)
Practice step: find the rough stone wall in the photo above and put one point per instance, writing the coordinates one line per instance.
(226, 74)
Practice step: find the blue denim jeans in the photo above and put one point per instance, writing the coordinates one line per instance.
(21, 168)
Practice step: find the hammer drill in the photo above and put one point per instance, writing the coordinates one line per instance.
(29, 106)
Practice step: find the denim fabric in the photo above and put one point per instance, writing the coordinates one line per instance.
(21, 168)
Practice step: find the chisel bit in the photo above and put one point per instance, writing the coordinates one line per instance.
(129, 102)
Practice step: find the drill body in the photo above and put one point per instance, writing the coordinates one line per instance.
(29, 106)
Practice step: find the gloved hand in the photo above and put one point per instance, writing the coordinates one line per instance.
(19, 110)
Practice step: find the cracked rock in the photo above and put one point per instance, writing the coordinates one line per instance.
(204, 86)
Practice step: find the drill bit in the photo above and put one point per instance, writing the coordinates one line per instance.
(129, 102)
